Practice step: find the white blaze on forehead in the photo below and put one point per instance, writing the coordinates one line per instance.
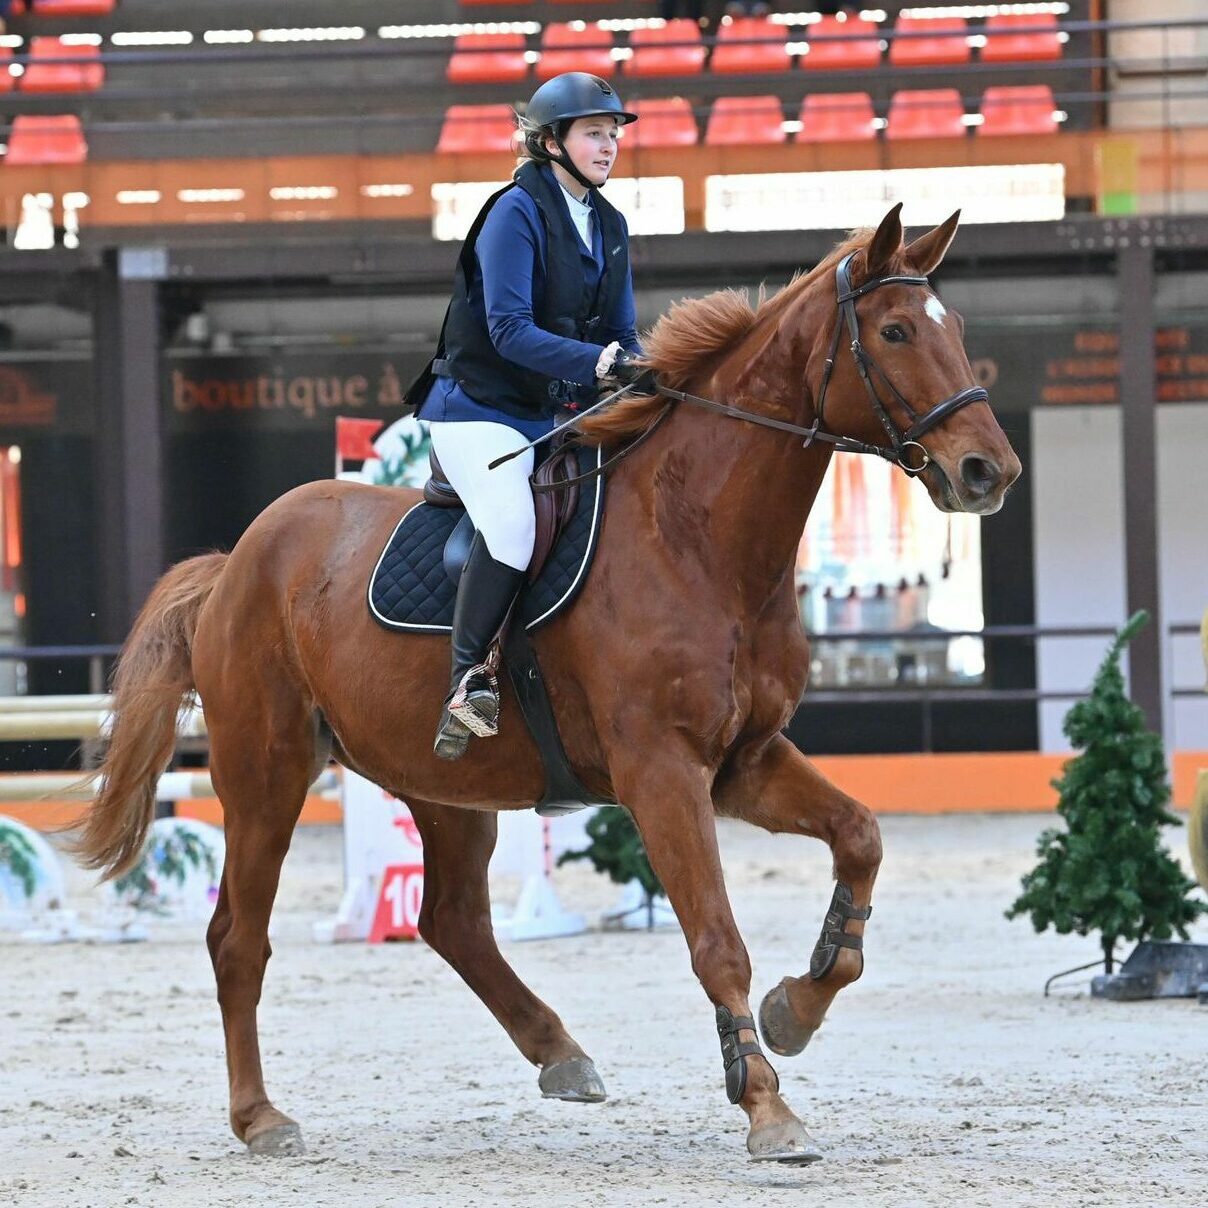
(935, 309)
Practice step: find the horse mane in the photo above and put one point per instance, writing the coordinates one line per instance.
(697, 330)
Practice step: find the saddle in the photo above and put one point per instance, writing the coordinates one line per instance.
(413, 588)
(554, 508)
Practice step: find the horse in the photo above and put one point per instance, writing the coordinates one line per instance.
(672, 675)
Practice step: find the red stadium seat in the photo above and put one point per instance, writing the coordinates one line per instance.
(731, 55)
(837, 117)
(8, 81)
(652, 57)
(44, 72)
(487, 59)
(927, 113)
(745, 120)
(1003, 45)
(842, 56)
(37, 139)
(478, 128)
(934, 51)
(663, 123)
(72, 8)
(1027, 109)
(583, 48)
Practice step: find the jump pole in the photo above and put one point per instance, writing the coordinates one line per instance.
(172, 786)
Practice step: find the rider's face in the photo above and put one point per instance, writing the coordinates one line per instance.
(591, 143)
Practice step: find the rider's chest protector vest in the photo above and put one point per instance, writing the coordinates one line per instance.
(571, 307)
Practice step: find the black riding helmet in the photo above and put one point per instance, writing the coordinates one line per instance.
(557, 103)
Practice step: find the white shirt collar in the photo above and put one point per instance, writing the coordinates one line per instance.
(580, 214)
(574, 202)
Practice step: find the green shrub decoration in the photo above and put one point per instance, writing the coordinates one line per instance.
(410, 468)
(616, 849)
(166, 857)
(17, 854)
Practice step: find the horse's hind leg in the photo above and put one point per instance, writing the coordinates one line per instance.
(781, 791)
(455, 920)
(262, 756)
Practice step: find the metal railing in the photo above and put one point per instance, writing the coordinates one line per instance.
(919, 691)
(97, 657)
(929, 694)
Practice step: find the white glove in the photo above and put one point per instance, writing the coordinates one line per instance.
(604, 364)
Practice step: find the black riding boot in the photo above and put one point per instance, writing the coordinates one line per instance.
(485, 591)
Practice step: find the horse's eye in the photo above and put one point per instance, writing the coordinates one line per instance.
(893, 334)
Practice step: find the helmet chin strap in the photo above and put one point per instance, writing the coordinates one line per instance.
(569, 164)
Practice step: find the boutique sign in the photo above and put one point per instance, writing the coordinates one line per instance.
(286, 392)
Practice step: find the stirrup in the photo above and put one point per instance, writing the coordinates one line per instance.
(477, 710)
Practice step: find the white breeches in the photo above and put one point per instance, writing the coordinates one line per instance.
(500, 501)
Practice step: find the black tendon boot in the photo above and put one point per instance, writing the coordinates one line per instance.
(484, 594)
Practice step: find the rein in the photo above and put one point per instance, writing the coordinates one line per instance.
(903, 449)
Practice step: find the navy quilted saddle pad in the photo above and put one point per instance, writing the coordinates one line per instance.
(410, 590)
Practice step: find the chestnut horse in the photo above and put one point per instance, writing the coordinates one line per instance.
(671, 676)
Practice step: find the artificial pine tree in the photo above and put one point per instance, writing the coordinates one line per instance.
(1107, 871)
(616, 849)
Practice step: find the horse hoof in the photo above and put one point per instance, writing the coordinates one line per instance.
(284, 1141)
(574, 1081)
(781, 1031)
(786, 1142)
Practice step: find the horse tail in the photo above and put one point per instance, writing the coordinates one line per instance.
(154, 672)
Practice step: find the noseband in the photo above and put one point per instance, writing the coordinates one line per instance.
(904, 448)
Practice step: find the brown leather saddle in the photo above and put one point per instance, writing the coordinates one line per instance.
(554, 507)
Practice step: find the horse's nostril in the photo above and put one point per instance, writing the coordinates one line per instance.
(979, 474)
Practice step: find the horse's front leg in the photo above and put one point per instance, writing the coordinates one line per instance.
(669, 799)
(455, 920)
(777, 788)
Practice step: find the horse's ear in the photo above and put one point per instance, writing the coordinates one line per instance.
(926, 252)
(886, 243)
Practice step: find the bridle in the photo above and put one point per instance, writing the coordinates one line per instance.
(901, 443)
(903, 449)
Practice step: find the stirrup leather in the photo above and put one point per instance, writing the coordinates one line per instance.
(833, 937)
(734, 1052)
(462, 706)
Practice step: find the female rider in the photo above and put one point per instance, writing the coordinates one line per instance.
(542, 309)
